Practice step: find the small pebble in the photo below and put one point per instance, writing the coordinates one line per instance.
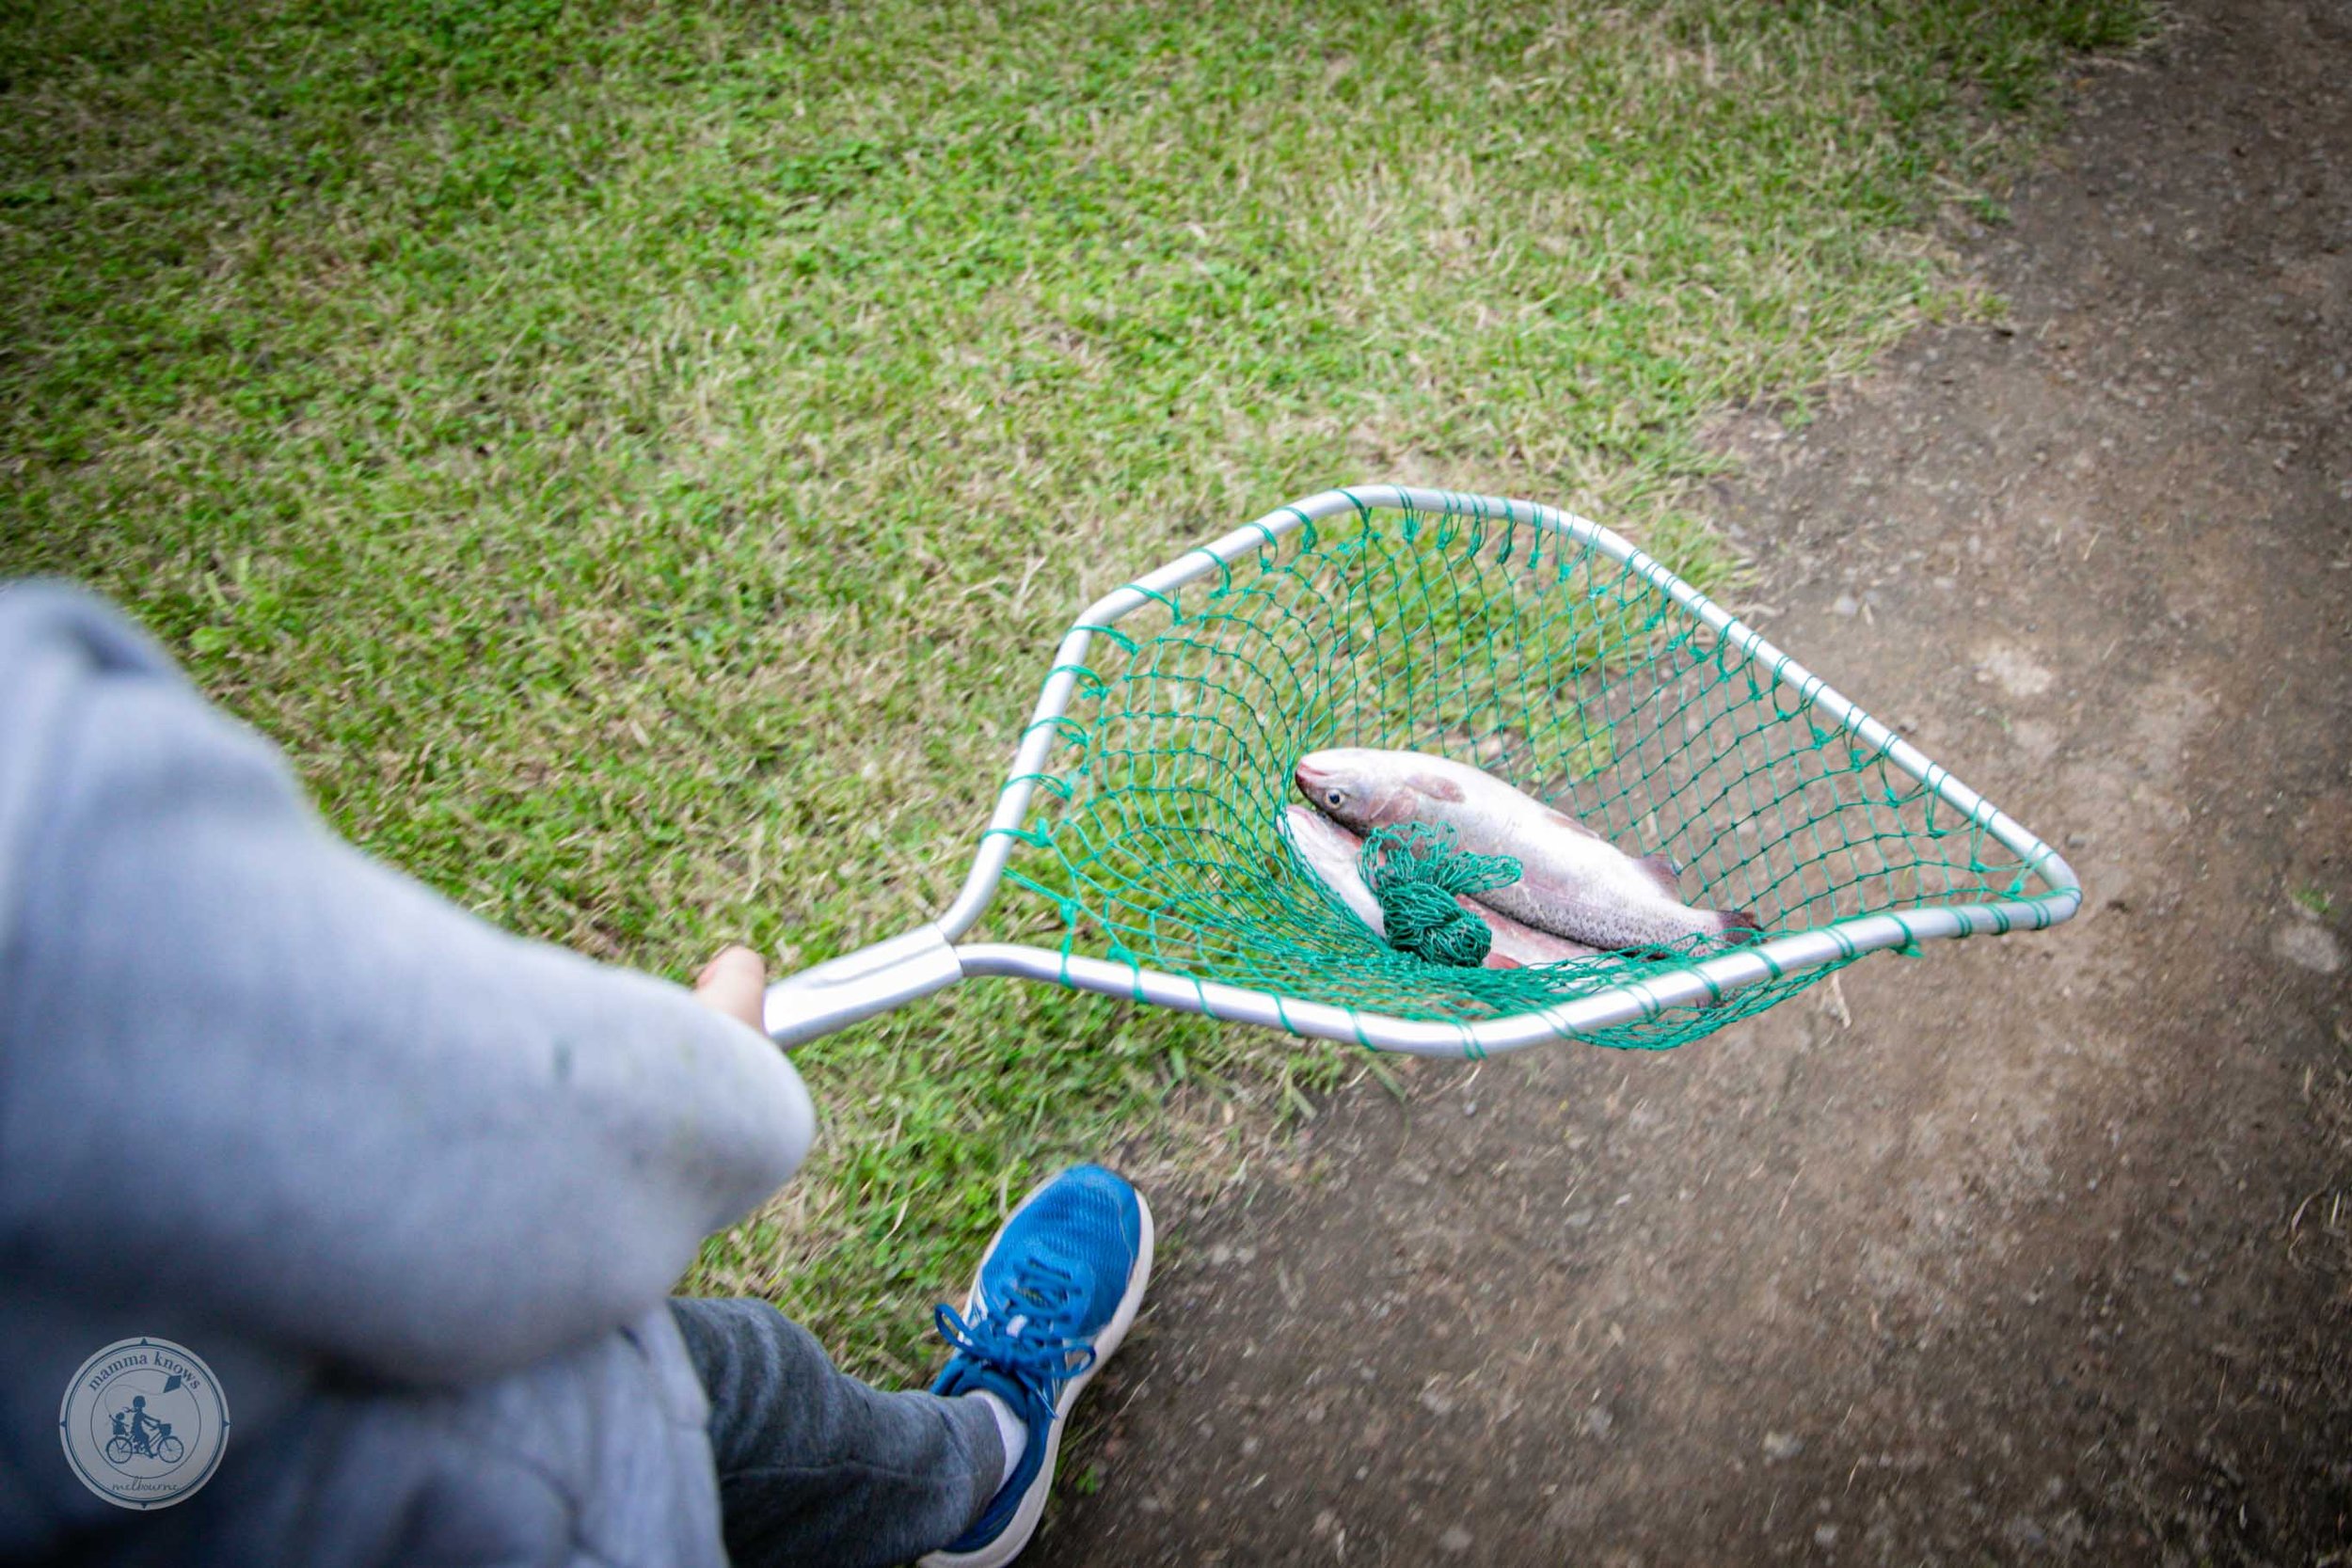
(2308, 946)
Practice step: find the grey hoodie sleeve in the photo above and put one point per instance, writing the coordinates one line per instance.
(250, 1073)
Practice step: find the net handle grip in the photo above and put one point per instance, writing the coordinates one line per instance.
(840, 992)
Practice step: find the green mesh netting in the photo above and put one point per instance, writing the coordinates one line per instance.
(1534, 655)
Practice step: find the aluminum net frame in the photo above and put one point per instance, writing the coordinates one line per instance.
(1143, 800)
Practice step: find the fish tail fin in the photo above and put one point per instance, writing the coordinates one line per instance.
(1739, 927)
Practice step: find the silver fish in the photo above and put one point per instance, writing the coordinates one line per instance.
(1573, 883)
(1331, 852)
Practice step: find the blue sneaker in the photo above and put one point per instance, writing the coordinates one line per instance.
(1054, 1294)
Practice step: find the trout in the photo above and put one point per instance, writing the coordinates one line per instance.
(1573, 883)
(1331, 851)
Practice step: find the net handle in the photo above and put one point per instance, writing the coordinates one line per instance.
(843, 990)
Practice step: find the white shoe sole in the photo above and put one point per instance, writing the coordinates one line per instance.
(1014, 1539)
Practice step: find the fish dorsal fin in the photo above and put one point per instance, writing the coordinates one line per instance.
(1665, 872)
(1561, 819)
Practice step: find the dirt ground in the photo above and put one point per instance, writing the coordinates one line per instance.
(2034, 1250)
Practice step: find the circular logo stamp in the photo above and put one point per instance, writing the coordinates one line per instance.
(144, 1423)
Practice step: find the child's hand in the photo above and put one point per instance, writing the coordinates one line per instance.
(733, 983)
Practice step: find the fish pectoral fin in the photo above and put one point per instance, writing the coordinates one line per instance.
(1434, 787)
(1665, 873)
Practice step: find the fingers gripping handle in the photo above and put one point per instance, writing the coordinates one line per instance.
(858, 984)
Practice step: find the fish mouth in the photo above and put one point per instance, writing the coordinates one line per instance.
(1310, 828)
(1309, 779)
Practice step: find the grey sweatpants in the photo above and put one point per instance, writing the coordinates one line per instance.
(815, 1468)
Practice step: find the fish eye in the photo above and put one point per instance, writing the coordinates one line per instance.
(1335, 797)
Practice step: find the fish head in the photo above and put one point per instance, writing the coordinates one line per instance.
(1349, 787)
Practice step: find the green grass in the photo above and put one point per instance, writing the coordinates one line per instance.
(636, 458)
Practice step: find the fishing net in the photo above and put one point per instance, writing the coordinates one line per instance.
(1531, 653)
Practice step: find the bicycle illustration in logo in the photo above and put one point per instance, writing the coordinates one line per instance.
(137, 1434)
(143, 1423)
